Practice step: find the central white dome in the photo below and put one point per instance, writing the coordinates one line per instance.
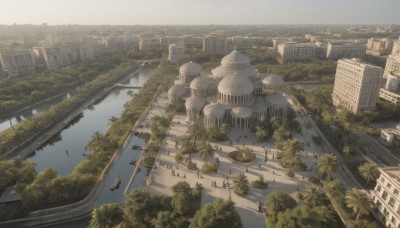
(235, 59)
(235, 84)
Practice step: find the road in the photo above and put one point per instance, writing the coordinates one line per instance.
(343, 172)
(378, 154)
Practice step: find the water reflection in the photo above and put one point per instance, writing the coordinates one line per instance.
(74, 138)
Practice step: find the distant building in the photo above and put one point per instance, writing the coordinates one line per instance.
(295, 51)
(65, 54)
(391, 89)
(18, 63)
(278, 40)
(175, 53)
(386, 196)
(356, 85)
(345, 49)
(215, 44)
(149, 44)
(379, 46)
(242, 42)
(393, 65)
(396, 47)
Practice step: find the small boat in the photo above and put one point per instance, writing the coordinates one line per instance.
(132, 162)
(116, 183)
(134, 147)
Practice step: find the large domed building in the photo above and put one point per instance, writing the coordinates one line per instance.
(235, 93)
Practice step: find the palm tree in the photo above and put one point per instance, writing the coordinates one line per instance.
(95, 142)
(186, 146)
(241, 184)
(260, 133)
(225, 128)
(206, 150)
(291, 149)
(327, 164)
(281, 135)
(196, 132)
(358, 201)
(292, 146)
(107, 215)
(112, 120)
(313, 196)
(369, 172)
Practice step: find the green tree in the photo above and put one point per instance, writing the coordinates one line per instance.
(313, 196)
(206, 150)
(358, 201)
(369, 172)
(327, 164)
(182, 199)
(281, 135)
(241, 184)
(106, 216)
(219, 213)
(261, 134)
(278, 201)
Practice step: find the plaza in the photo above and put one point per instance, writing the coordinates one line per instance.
(162, 179)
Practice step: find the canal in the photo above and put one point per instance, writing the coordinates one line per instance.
(66, 149)
(6, 123)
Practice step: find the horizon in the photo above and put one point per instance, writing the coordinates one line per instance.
(205, 12)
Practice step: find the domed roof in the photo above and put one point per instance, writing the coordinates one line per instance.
(241, 111)
(223, 71)
(235, 84)
(176, 90)
(276, 99)
(190, 68)
(235, 59)
(201, 82)
(195, 103)
(273, 80)
(214, 109)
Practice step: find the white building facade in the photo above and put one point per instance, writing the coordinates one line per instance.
(356, 85)
(175, 52)
(386, 196)
(18, 63)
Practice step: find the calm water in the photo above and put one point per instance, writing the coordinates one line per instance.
(75, 137)
(5, 124)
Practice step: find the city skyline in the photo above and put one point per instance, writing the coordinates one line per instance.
(157, 12)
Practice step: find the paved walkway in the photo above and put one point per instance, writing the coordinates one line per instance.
(163, 180)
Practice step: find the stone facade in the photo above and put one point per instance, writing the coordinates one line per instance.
(235, 93)
(215, 44)
(296, 51)
(386, 196)
(382, 46)
(336, 50)
(18, 63)
(393, 65)
(175, 52)
(356, 85)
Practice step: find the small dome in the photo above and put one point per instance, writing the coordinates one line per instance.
(202, 82)
(273, 80)
(196, 103)
(235, 59)
(235, 84)
(190, 68)
(176, 90)
(276, 99)
(241, 111)
(214, 109)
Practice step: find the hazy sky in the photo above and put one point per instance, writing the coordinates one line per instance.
(130, 12)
